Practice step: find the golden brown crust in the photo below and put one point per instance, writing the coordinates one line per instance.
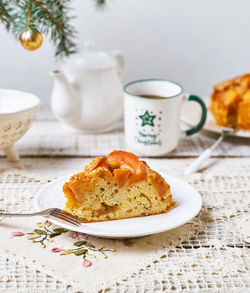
(244, 112)
(105, 177)
(124, 167)
(230, 102)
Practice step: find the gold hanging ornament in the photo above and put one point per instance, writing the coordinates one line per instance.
(31, 39)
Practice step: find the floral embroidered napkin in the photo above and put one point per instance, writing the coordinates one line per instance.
(91, 264)
(81, 260)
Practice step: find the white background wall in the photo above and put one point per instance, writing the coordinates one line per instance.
(195, 42)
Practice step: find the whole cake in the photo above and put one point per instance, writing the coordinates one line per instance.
(230, 102)
(116, 187)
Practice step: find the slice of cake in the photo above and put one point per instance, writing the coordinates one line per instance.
(230, 102)
(115, 187)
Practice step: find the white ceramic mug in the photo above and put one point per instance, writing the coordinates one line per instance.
(152, 124)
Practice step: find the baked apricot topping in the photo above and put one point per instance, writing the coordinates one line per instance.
(127, 161)
(121, 176)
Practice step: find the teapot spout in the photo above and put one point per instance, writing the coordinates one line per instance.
(64, 98)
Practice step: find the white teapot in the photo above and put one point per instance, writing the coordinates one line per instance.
(88, 94)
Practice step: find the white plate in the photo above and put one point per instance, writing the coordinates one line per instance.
(188, 204)
(191, 114)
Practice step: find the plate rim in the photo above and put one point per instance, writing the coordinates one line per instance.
(124, 235)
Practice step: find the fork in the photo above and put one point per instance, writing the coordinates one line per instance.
(208, 152)
(49, 213)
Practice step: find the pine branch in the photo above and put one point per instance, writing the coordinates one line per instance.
(100, 2)
(62, 33)
(50, 17)
(5, 14)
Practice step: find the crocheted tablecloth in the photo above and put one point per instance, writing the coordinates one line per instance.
(210, 253)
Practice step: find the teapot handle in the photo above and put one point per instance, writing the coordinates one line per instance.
(120, 61)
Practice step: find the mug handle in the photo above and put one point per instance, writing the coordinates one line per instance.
(203, 118)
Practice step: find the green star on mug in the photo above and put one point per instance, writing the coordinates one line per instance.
(147, 119)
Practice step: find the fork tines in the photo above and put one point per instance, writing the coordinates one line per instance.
(57, 213)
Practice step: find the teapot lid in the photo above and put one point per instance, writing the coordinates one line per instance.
(90, 59)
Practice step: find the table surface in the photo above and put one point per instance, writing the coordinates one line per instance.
(47, 149)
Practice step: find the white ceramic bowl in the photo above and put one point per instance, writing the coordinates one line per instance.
(17, 112)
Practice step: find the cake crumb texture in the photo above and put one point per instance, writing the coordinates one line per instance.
(116, 187)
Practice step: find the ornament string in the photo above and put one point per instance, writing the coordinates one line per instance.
(28, 15)
(31, 39)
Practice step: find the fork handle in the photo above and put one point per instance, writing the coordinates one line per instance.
(21, 215)
(195, 166)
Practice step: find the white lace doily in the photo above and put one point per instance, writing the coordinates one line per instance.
(211, 253)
